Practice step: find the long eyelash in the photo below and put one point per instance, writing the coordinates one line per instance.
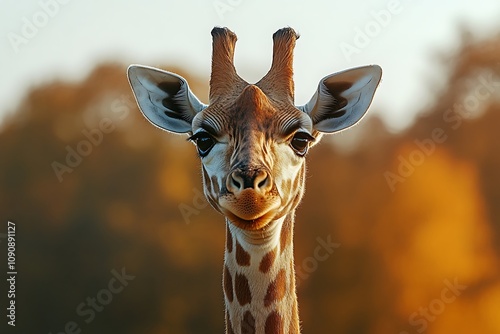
(195, 136)
(304, 135)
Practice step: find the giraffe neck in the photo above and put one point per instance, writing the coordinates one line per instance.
(259, 279)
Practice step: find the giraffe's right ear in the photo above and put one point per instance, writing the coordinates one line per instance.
(164, 98)
(343, 98)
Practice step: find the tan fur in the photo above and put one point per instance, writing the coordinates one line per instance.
(252, 141)
(259, 283)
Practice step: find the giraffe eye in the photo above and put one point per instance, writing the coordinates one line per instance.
(300, 143)
(204, 143)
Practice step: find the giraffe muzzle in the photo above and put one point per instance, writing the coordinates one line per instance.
(239, 180)
(250, 202)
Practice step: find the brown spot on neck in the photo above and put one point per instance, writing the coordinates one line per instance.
(286, 234)
(229, 325)
(248, 323)
(228, 284)
(242, 256)
(242, 289)
(276, 289)
(274, 324)
(267, 261)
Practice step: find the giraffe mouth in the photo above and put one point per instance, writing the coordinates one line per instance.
(250, 210)
(250, 224)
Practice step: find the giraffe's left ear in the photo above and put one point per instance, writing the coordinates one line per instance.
(343, 98)
(164, 98)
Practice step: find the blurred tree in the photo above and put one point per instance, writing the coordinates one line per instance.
(93, 188)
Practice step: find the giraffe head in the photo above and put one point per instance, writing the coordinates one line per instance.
(251, 138)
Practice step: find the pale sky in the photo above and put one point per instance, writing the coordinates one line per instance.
(44, 40)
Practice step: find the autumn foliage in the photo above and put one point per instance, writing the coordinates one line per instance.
(93, 188)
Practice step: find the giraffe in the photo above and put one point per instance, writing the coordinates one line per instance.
(252, 141)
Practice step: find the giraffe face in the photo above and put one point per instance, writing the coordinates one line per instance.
(252, 151)
(251, 138)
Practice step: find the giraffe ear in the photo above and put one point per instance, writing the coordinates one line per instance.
(343, 98)
(164, 98)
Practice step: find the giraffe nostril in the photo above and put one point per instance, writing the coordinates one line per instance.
(262, 183)
(236, 184)
(239, 180)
